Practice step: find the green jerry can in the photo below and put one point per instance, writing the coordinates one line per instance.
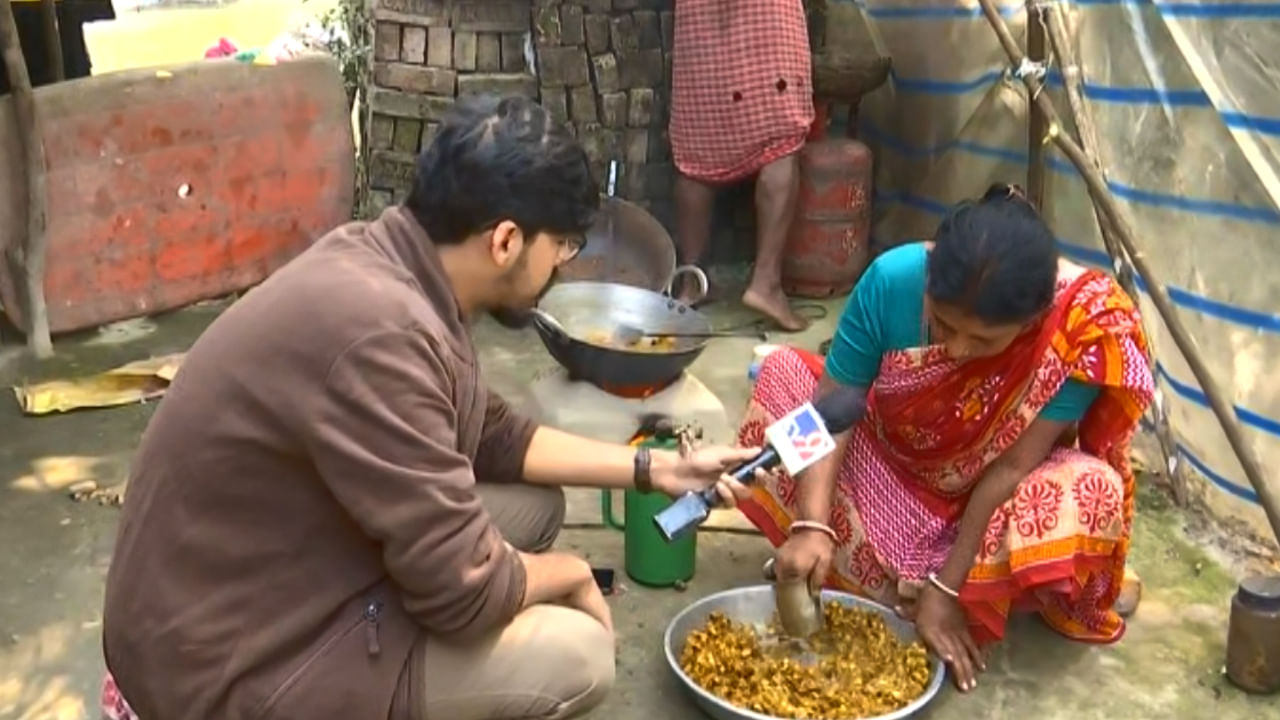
(647, 557)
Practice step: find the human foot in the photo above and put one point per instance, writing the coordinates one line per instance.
(773, 304)
(1130, 594)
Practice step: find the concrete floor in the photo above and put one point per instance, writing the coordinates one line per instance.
(57, 552)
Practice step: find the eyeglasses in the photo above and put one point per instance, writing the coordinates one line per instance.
(570, 246)
(567, 246)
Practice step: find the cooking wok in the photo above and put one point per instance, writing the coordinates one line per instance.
(627, 245)
(588, 314)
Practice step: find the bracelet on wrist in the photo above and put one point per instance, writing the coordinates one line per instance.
(642, 473)
(943, 587)
(825, 529)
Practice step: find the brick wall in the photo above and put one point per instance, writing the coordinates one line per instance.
(603, 67)
(425, 54)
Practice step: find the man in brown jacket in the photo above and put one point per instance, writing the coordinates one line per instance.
(329, 515)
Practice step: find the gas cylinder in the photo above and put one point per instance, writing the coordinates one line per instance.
(828, 245)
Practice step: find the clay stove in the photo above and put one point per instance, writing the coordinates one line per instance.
(612, 416)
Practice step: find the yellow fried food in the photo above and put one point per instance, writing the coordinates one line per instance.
(649, 343)
(857, 667)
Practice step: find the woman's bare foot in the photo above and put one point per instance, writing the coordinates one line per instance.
(1130, 594)
(773, 304)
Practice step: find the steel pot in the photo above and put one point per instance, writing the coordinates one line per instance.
(627, 245)
(588, 313)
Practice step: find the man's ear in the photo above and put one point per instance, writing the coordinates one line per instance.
(506, 242)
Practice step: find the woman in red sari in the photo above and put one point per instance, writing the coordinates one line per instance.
(990, 472)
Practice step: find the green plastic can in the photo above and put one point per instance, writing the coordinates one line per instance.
(647, 557)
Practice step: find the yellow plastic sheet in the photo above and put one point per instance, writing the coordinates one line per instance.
(136, 382)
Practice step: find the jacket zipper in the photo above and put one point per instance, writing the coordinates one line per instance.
(369, 617)
(372, 613)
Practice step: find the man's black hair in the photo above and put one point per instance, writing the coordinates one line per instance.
(498, 159)
(995, 258)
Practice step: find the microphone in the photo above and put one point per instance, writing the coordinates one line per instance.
(801, 438)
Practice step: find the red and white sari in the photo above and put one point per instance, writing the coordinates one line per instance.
(933, 425)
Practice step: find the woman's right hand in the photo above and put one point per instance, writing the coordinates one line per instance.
(806, 555)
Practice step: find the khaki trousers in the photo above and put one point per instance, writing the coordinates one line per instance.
(550, 662)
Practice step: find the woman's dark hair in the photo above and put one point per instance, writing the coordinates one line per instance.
(995, 258)
(500, 159)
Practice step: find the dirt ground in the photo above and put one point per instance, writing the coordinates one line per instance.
(57, 551)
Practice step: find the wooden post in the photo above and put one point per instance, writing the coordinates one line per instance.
(1055, 24)
(28, 258)
(1060, 43)
(1103, 200)
(53, 39)
(1036, 127)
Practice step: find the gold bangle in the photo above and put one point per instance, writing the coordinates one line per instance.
(823, 528)
(934, 581)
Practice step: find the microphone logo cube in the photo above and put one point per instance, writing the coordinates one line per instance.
(801, 438)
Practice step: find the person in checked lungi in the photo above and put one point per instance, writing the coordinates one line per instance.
(741, 105)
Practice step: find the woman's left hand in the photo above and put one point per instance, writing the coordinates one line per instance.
(703, 468)
(942, 625)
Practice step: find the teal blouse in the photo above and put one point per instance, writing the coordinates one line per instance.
(886, 311)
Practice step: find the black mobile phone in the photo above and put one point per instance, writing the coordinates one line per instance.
(604, 579)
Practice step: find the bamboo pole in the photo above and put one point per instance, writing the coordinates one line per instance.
(1036, 126)
(53, 39)
(1055, 26)
(1103, 200)
(28, 259)
(1054, 19)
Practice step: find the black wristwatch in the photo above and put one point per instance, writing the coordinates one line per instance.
(642, 476)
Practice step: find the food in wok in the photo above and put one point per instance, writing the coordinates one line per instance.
(647, 343)
(855, 667)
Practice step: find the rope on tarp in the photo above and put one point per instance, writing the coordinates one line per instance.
(1105, 204)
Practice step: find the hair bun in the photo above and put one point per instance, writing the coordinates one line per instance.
(1006, 191)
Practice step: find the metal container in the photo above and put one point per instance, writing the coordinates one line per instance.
(646, 556)
(756, 605)
(628, 245)
(800, 611)
(828, 246)
(1253, 636)
(587, 310)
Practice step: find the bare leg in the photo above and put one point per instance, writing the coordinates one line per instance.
(694, 202)
(776, 191)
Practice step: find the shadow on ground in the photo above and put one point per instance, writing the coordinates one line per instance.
(55, 556)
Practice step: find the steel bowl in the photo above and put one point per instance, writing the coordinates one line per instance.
(755, 604)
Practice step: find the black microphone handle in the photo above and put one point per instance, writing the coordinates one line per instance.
(745, 473)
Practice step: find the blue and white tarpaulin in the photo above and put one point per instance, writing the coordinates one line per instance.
(1186, 99)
